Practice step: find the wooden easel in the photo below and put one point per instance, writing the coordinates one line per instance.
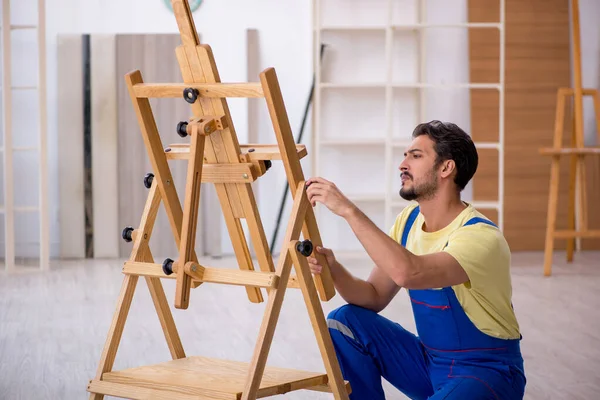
(215, 156)
(577, 151)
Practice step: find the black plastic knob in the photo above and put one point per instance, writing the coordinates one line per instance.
(126, 234)
(190, 95)
(148, 180)
(268, 164)
(167, 266)
(305, 247)
(182, 129)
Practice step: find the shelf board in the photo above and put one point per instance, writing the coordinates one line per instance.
(419, 26)
(366, 198)
(407, 27)
(21, 209)
(353, 142)
(408, 85)
(401, 143)
(464, 85)
(485, 205)
(341, 28)
(487, 145)
(362, 85)
(202, 377)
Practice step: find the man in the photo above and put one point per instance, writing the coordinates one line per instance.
(455, 264)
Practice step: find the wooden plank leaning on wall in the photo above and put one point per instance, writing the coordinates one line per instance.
(537, 63)
(70, 151)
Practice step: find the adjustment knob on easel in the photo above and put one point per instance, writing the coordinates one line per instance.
(190, 95)
(148, 180)
(305, 247)
(268, 164)
(182, 129)
(126, 234)
(167, 266)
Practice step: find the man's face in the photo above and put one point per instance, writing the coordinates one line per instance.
(419, 173)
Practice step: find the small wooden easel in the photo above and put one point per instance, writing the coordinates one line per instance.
(577, 152)
(215, 156)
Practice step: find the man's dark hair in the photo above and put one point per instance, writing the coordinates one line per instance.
(452, 143)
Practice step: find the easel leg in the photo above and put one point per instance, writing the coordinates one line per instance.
(317, 319)
(554, 182)
(190, 218)
(140, 252)
(572, 196)
(293, 169)
(116, 329)
(551, 221)
(275, 301)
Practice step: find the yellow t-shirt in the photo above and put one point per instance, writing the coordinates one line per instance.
(483, 252)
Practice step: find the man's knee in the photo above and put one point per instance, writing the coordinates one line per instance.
(348, 318)
(349, 312)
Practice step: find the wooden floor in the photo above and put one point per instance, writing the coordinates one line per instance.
(53, 326)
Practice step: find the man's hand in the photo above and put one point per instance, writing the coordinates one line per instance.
(325, 192)
(317, 268)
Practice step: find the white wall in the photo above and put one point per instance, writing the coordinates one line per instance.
(285, 43)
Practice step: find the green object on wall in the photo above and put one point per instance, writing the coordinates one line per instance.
(194, 4)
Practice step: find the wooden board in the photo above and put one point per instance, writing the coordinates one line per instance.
(214, 378)
(105, 180)
(70, 151)
(154, 56)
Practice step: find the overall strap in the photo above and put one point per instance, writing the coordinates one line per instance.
(409, 223)
(476, 220)
(415, 212)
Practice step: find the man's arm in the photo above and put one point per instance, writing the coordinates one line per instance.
(403, 267)
(375, 293)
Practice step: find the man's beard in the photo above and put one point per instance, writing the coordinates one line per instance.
(424, 191)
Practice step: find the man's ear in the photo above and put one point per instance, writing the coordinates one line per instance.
(448, 167)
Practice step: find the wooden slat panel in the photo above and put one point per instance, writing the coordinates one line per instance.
(485, 187)
(485, 115)
(537, 64)
(70, 151)
(484, 47)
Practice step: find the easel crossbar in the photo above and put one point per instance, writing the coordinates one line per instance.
(249, 152)
(209, 90)
(209, 275)
(567, 234)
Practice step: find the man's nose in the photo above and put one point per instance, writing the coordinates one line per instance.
(403, 166)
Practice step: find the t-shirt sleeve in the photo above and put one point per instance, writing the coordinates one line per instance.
(479, 249)
(393, 229)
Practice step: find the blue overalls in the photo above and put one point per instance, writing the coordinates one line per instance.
(450, 358)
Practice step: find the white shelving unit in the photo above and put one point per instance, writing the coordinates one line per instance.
(24, 145)
(378, 79)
